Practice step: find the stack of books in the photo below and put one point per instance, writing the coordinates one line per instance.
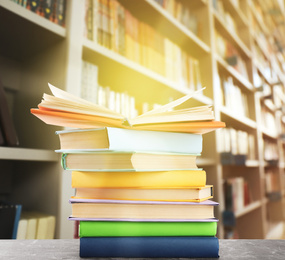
(139, 192)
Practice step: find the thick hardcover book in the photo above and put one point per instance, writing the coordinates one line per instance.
(130, 229)
(164, 179)
(155, 247)
(126, 161)
(64, 109)
(95, 208)
(111, 138)
(195, 194)
(7, 223)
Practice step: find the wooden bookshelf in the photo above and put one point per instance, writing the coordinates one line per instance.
(37, 51)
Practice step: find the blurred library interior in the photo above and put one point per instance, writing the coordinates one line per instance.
(133, 56)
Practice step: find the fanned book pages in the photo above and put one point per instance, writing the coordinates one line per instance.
(64, 109)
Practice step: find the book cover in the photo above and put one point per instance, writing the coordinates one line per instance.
(48, 8)
(111, 138)
(98, 208)
(64, 109)
(60, 12)
(6, 121)
(194, 194)
(16, 221)
(164, 179)
(126, 161)
(150, 247)
(7, 216)
(130, 229)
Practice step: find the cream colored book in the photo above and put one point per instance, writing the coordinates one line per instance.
(194, 194)
(127, 209)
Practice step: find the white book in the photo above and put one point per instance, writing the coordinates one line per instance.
(114, 139)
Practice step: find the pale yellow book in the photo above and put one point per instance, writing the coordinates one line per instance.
(194, 194)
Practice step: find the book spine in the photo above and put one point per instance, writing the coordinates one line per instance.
(149, 247)
(128, 228)
(60, 12)
(48, 6)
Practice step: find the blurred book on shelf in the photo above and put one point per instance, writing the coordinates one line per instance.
(110, 24)
(237, 146)
(52, 10)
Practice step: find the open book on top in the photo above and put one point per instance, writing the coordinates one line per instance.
(67, 110)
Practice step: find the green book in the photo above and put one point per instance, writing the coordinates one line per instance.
(130, 228)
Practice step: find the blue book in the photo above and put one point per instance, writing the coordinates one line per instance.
(16, 221)
(140, 247)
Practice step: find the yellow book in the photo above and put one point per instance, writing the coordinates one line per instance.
(164, 179)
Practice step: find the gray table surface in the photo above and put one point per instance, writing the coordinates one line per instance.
(69, 249)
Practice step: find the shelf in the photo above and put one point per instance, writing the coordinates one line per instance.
(234, 73)
(267, 133)
(246, 122)
(261, 71)
(26, 154)
(232, 36)
(265, 52)
(269, 105)
(150, 12)
(261, 24)
(247, 209)
(33, 32)
(93, 51)
(236, 12)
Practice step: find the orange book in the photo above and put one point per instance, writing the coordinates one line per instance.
(64, 109)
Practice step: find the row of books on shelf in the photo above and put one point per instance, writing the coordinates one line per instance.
(152, 205)
(237, 194)
(53, 10)
(182, 13)
(230, 54)
(234, 98)
(120, 102)
(109, 24)
(236, 146)
(227, 18)
(18, 224)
